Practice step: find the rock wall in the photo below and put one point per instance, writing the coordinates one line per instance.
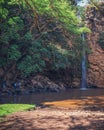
(95, 21)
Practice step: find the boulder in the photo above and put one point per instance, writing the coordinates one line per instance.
(76, 83)
(43, 83)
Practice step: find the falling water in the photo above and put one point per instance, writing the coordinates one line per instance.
(83, 83)
(81, 2)
(83, 80)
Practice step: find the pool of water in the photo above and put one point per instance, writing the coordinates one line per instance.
(68, 98)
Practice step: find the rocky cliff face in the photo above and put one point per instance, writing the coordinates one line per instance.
(95, 21)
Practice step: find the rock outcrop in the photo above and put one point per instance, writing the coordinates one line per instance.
(45, 84)
(95, 21)
(37, 83)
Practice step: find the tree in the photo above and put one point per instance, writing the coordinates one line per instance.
(30, 33)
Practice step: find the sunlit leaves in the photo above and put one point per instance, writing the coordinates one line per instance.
(84, 30)
(59, 10)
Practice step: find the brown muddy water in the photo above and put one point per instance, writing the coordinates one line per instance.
(71, 98)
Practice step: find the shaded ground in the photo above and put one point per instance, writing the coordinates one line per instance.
(54, 119)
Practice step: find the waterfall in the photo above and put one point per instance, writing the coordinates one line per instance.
(83, 80)
(82, 2)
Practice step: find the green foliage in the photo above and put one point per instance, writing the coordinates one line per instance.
(14, 53)
(58, 10)
(7, 109)
(3, 61)
(58, 56)
(28, 36)
(3, 12)
(29, 65)
(84, 30)
(33, 61)
(16, 22)
(24, 35)
(10, 29)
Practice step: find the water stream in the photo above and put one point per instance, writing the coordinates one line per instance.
(83, 80)
(67, 99)
(82, 2)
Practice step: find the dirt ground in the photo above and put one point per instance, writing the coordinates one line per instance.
(54, 119)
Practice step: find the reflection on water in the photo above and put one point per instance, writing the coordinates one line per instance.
(84, 88)
(65, 98)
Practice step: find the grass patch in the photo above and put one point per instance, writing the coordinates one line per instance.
(6, 109)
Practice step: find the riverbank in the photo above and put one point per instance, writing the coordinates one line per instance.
(39, 84)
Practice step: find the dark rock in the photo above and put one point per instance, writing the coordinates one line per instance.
(43, 83)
